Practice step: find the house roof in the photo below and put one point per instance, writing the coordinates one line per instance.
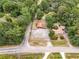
(39, 24)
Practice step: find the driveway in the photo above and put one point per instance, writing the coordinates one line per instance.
(41, 33)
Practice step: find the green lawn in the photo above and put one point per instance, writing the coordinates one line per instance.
(54, 56)
(72, 55)
(31, 56)
(22, 56)
(8, 57)
(59, 43)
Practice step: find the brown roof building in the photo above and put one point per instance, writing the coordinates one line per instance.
(39, 24)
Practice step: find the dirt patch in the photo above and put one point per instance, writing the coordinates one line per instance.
(37, 42)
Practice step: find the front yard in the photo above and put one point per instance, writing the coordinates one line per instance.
(62, 43)
(37, 42)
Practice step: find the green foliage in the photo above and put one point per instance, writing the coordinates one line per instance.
(54, 55)
(17, 16)
(50, 20)
(39, 14)
(22, 12)
(53, 36)
(66, 13)
(22, 56)
(62, 37)
(8, 57)
(8, 18)
(73, 35)
(1, 14)
(44, 6)
(11, 7)
(33, 10)
(12, 34)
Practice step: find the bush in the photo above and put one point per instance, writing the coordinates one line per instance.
(8, 18)
(62, 37)
(39, 14)
(50, 19)
(53, 36)
(75, 41)
(15, 13)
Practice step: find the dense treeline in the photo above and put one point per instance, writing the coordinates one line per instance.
(16, 15)
(65, 12)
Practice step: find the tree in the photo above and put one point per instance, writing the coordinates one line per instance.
(28, 3)
(39, 14)
(62, 9)
(44, 5)
(50, 21)
(73, 35)
(14, 35)
(33, 10)
(17, 15)
(26, 15)
(11, 7)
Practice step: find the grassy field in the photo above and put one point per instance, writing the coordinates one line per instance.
(54, 56)
(8, 57)
(31, 56)
(59, 43)
(72, 55)
(22, 56)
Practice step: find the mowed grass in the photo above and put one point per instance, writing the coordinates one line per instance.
(54, 56)
(62, 43)
(8, 57)
(32, 56)
(72, 55)
(22, 56)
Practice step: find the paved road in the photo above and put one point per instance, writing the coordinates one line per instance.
(40, 50)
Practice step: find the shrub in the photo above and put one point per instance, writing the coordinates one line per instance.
(8, 18)
(61, 37)
(39, 14)
(53, 36)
